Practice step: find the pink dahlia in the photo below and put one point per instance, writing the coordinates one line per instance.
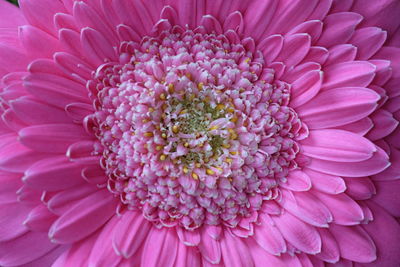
(200, 133)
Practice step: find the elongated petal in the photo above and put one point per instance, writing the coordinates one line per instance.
(376, 164)
(130, 233)
(84, 218)
(337, 145)
(161, 247)
(338, 106)
(54, 173)
(354, 243)
(301, 235)
(269, 237)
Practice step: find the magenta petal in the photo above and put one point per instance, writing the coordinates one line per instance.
(12, 216)
(338, 28)
(338, 107)
(345, 210)
(269, 237)
(10, 15)
(354, 243)
(368, 41)
(388, 196)
(307, 207)
(103, 253)
(189, 238)
(25, 249)
(210, 248)
(384, 124)
(54, 173)
(130, 233)
(326, 183)
(337, 145)
(51, 138)
(376, 164)
(187, 256)
(301, 235)
(235, 253)
(384, 230)
(305, 88)
(161, 247)
(330, 250)
(40, 219)
(348, 74)
(84, 218)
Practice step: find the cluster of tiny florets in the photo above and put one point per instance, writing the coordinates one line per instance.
(193, 129)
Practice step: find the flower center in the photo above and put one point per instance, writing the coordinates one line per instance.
(193, 129)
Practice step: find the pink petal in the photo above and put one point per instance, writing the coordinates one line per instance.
(97, 47)
(187, 256)
(161, 247)
(263, 258)
(51, 138)
(290, 15)
(305, 88)
(258, 16)
(360, 188)
(306, 207)
(84, 218)
(337, 145)
(345, 210)
(297, 181)
(330, 250)
(39, 13)
(368, 41)
(189, 238)
(54, 173)
(11, 16)
(130, 233)
(64, 200)
(376, 164)
(10, 183)
(338, 28)
(12, 216)
(360, 127)
(25, 248)
(311, 27)
(384, 124)
(317, 54)
(103, 253)
(348, 74)
(73, 66)
(326, 183)
(271, 47)
(210, 248)
(295, 48)
(234, 22)
(354, 243)
(388, 196)
(301, 235)
(40, 219)
(73, 256)
(269, 237)
(40, 43)
(382, 14)
(235, 253)
(384, 230)
(338, 107)
(34, 112)
(341, 53)
(15, 157)
(86, 16)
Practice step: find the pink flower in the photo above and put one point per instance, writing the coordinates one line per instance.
(200, 133)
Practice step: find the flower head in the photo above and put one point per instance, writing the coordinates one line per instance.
(180, 133)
